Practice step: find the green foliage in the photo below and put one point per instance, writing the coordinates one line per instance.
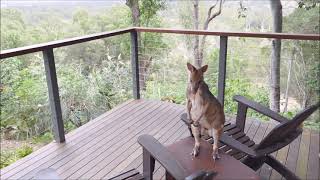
(149, 9)
(245, 88)
(24, 151)
(302, 21)
(172, 92)
(12, 25)
(8, 156)
(43, 139)
(306, 65)
(308, 4)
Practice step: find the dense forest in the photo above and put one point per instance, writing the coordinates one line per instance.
(94, 77)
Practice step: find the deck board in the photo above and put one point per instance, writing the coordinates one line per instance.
(302, 165)
(88, 145)
(313, 163)
(107, 145)
(52, 147)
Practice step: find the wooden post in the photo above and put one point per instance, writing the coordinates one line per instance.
(222, 68)
(135, 64)
(241, 116)
(53, 90)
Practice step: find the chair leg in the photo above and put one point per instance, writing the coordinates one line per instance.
(284, 171)
(148, 165)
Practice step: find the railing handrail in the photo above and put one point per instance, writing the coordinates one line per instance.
(60, 43)
(76, 40)
(230, 33)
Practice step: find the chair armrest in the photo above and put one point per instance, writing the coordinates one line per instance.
(260, 108)
(229, 141)
(162, 155)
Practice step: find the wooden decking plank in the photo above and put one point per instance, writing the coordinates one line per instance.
(102, 168)
(253, 129)
(167, 138)
(44, 158)
(105, 172)
(171, 139)
(247, 125)
(167, 123)
(258, 140)
(266, 170)
(171, 132)
(137, 163)
(160, 171)
(72, 171)
(313, 161)
(89, 143)
(51, 147)
(301, 169)
(281, 156)
(118, 150)
(293, 153)
(258, 136)
(260, 133)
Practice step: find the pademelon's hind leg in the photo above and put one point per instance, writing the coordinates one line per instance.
(216, 134)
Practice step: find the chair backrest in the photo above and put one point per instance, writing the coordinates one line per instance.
(286, 132)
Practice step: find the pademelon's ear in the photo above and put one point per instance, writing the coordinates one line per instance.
(204, 68)
(191, 67)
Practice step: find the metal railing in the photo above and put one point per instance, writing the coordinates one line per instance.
(50, 68)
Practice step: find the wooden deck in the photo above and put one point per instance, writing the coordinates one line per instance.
(108, 145)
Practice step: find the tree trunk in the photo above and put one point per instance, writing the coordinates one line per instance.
(198, 48)
(197, 61)
(276, 9)
(135, 11)
(143, 61)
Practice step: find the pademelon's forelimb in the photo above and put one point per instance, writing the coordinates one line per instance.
(195, 128)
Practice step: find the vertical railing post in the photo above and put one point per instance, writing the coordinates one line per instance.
(53, 90)
(222, 68)
(135, 64)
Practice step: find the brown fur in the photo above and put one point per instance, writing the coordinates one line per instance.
(203, 109)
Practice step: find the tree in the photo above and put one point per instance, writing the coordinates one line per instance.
(144, 13)
(276, 9)
(305, 61)
(198, 46)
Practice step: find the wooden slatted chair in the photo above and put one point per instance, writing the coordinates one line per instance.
(153, 151)
(235, 143)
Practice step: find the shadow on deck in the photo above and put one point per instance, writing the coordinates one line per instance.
(107, 145)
